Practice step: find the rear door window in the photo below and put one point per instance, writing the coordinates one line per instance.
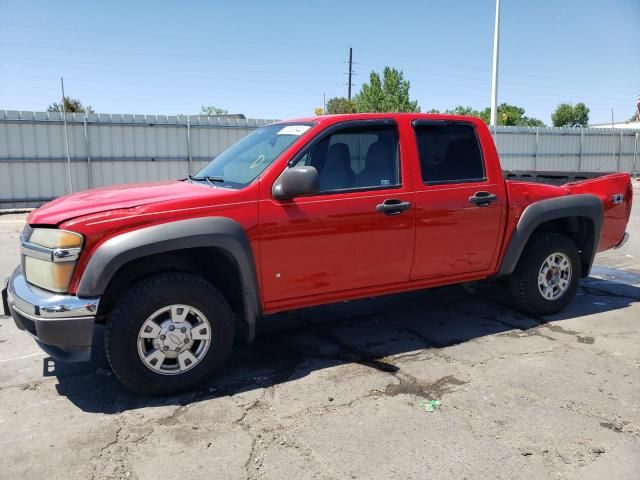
(449, 153)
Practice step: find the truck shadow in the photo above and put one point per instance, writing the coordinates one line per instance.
(368, 332)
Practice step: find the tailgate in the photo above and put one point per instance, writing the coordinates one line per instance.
(615, 192)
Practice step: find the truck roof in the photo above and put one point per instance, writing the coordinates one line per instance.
(394, 115)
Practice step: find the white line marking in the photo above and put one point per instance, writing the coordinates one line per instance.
(37, 354)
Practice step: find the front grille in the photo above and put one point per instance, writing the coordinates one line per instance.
(26, 233)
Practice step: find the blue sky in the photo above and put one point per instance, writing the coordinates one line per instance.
(275, 59)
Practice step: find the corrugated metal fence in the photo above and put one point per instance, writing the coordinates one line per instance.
(567, 149)
(108, 149)
(104, 149)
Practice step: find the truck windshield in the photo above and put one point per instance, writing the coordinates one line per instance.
(241, 163)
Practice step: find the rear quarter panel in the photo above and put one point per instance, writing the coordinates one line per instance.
(616, 215)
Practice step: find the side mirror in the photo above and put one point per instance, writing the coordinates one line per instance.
(295, 182)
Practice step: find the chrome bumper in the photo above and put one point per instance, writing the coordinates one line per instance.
(625, 239)
(61, 324)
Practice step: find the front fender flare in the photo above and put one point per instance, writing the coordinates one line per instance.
(583, 205)
(220, 232)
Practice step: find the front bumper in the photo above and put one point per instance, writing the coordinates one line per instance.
(61, 324)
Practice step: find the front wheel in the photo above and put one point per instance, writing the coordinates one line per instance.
(169, 333)
(547, 275)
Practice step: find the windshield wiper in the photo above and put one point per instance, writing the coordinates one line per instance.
(209, 179)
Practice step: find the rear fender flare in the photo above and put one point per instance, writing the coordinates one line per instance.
(220, 232)
(583, 205)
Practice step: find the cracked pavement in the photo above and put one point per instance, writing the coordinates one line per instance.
(335, 391)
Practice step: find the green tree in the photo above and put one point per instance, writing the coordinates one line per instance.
(71, 105)
(507, 115)
(212, 110)
(532, 122)
(511, 115)
(460, 110)
(340, 105)
(568, 115)
(387, 94)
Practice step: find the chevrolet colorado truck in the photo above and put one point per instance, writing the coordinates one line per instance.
(298, 213)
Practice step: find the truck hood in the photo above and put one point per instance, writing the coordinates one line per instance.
(116, 197)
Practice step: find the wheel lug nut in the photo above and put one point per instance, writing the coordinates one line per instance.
(183, 329)
(162, 337)
(177, 349)
(171, 328)
(186, 340)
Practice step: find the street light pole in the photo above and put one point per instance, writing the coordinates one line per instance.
(66, 136)
(494, 78)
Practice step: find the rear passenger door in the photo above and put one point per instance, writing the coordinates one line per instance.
(459, 202)
(357, 232)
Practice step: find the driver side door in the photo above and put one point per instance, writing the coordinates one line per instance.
(328, 245)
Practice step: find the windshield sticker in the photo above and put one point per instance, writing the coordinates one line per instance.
(296, 130)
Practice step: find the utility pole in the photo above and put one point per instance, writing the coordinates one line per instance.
(613, 138)
(494, 78)
(612, 123)
(350, 70)
(66, 137)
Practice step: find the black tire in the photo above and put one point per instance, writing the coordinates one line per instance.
(142, 300)
(522, 284)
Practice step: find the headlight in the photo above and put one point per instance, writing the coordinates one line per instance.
(50, 257)
(52, 238)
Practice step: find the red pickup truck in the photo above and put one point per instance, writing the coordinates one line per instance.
(299, 213)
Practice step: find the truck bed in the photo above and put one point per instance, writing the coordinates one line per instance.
(551, 177)
(613, 189)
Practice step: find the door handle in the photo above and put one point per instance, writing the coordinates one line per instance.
(393, 207)
(482, 199)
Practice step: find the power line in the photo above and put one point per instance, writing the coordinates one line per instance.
(146, 88)
(468, 67)
(171, 73)
(425, 88)
(207, 39)
(518, 88)
(419, 79)
(164, 54)
(172, 81)
(607, 85)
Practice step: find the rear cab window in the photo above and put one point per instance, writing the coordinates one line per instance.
(449, 152)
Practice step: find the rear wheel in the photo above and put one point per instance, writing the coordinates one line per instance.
(547, 275)
(169, 333)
